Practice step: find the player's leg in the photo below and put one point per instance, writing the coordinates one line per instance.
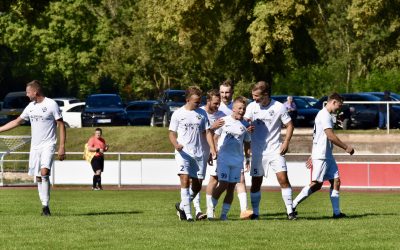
(99, 173)
(183, 207)
(318, 172)
(242, 196)
(333, 176)
(212, 184)
(46, 161)
(195, 197)
(258, 170)
(223, 172)
(230, 190)
(278, 164)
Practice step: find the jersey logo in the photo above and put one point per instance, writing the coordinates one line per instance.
(199, 117)
(271, 113)
(44, 109)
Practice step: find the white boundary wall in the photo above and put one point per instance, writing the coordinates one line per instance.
(153, 172)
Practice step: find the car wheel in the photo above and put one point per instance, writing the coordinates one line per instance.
(152, 121)
(346, 124)
(165, 120)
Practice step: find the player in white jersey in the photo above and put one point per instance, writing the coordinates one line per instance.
(226, 92)
(323, 164)
(189, 125)
(233, 141)
(268, 151)
(44, 116)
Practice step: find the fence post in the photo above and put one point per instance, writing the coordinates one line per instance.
(119, 170)
(387, 118)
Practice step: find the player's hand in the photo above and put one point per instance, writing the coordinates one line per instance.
(251, 127)
(218, 123)
(214, 155)
(210, 160)
(179, 147)
(350, 150)
(309, 164)
(61, 154)
(284, 148)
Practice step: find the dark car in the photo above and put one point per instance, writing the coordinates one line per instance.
(104, 110)
(13, 105)
(361, 115)
(306, 113)
(170, 101)
(144, 113)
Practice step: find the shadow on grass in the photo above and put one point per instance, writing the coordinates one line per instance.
(109, 213)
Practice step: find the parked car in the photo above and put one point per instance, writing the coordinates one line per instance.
(13, 105)
(170, 101)
(310, 99)
(360, 115)
(65, 101)
(72, 115)
(306, 113)
(104, 110)
(144, 113)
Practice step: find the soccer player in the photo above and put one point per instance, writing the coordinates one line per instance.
(267, 117)
(226, 92)
(233, 142)
(322, 162)
(189, 126)
(44, 116)
(98, 145)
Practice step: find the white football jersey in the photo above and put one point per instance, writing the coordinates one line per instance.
(227, 109)
(211, 119)
(190, 126)
(43, 118)
(230, 143)
(267, 121)
(322, 147)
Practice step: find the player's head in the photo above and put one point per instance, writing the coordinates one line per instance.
(98, 132)
(33, 90)
(289, 98)
(193, 97)
(239, 107)
(213, 100)
(226, 91)
(335, 102)
(261, 92)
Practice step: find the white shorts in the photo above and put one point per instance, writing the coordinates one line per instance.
(323, 170)
(212, 169)
(192, 166)
(229, 172)
(41, 158)
(261, 164)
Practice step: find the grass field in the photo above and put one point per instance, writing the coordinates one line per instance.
(137, 219)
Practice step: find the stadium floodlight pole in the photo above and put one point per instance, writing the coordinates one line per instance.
(12, 143)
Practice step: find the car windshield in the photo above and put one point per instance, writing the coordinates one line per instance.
(16, 102)
(301, 103)
(140, 107)
(176, 97)
(104, 102)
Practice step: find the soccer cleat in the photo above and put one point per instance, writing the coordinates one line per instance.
(223, 217)
(201, 216)
(46, 211)
(254, 217)
(292, 216)
(95, 189)
(100, 188)
(190, 220)
(338, 216)
(246, 214)
(181, 214)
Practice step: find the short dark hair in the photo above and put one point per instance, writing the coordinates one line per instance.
(227, 83)
(264, 86)
(335, 96)
(99, 129)
(36, 85)
(211, 93)
(192, 90)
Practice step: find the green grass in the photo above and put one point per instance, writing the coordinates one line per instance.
(131, 219)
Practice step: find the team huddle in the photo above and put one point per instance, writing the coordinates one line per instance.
(230, 137)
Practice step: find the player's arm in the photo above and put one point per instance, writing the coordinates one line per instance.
(335, 140)
(12, 124)
(173, 138)
(210, 141)
(63, 136)
(288, 137)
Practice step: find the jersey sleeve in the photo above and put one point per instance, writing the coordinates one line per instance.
(174, 123)
(326, 121)
(25, 114)
(249, 112)
(285, 117)
(56, 111)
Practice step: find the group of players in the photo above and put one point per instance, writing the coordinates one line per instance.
(230, 137)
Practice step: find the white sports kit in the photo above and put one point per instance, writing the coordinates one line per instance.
(211, 118)
(230, 149)
(191, 126)
(42, 117)
(324, 165)
(227, 109)
(265, 139)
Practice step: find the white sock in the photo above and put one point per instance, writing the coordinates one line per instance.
(185, 202)
(210, 207)
(195, 200)
(39, 185)
(304, 193)
(287, 198)
(255, 202)
(225, 209)
(45, 190)
(243, 201)
(334, 195)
